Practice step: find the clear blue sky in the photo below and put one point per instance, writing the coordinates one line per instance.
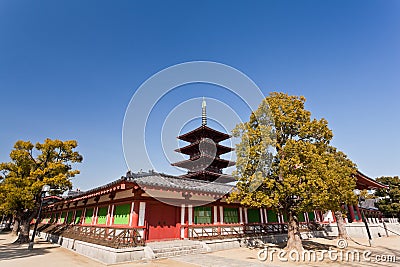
(69, 68)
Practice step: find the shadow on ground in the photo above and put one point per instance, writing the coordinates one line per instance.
(312, 245)
(12, 251)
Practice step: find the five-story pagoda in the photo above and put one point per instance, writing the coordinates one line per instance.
(204, 152)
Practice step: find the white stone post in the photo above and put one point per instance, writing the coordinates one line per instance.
(221, 214)
(142, 212)
(182, 220)
(190, 214)
(215, 214)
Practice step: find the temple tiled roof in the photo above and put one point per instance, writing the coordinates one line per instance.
(204, 132)
(150, 180)
(194, 148)
(160, 180)
(219, 177)
(196, 162)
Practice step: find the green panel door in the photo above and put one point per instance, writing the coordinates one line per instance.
(78, 217)
(231, 215)
(253, 215)
(271, 216)
(102, 215)
(122, 213)
(300, 217)
(202, 215)
(356, 214)
(70, 215)
(62, 219)
(88, 216)
(55, 218)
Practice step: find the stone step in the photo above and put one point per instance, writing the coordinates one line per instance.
(178, 253)
(173, 243)
(176, 248)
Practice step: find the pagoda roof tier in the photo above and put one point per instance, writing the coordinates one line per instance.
(193, 149)
(201, 162)
(204, 132)
(210, 176)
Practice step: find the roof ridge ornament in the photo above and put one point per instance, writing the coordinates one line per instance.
(203, 113)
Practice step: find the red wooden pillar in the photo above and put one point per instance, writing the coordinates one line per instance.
(73, 217)
(178, 221)
(112, 214)
(351, 210)
(83, 216)
(221, 218)
(108, 218)
(94, 217)
(321, 215)
(134, 213)
(318, 216)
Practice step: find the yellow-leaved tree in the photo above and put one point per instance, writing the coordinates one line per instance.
(31, 167)
(285, 162)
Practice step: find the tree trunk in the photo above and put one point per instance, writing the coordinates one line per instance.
(24, 232)
(342, 232)
(15, 226)
(294, 237)
(24, 226)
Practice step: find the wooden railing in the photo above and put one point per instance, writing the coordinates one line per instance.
(107, 236)
(265, 228)
(211, 231)
(120, 237)
(207, 232)
(215, 231)
(235, 230)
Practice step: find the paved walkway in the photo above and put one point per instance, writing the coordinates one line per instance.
(45, 254)
(220, 261)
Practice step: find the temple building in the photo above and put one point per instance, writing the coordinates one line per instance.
(144, 207)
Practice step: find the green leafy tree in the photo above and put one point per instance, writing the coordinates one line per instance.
(389, 203)
(31, 167)
(284, 162)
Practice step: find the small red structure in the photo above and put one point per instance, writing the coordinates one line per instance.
(364, 183)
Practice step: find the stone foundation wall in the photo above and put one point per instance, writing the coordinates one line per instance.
(358, 229)
(100, 253)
